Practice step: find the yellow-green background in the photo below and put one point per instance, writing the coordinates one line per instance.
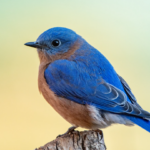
(120, 29)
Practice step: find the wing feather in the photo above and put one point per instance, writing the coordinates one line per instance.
(68, 80)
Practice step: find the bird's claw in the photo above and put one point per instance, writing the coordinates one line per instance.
(69, 131)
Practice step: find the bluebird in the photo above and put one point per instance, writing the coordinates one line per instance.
(82, 85)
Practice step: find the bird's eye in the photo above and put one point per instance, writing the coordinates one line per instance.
(56, 43)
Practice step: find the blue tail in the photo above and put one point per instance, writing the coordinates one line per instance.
(145, 124)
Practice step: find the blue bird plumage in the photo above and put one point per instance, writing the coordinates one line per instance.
(78, 72)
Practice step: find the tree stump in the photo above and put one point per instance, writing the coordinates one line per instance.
(85, 140)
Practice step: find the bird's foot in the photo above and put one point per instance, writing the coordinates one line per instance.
(69, 131)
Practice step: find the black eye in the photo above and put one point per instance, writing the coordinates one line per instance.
(56, 43)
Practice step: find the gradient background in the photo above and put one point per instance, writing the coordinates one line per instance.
(119, 29)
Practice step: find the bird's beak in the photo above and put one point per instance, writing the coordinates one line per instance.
(33, 44)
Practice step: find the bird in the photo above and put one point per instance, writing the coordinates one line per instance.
(81, 85)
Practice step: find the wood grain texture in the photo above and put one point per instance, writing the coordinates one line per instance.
(86, 140)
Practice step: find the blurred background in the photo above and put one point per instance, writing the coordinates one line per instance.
(119, 29)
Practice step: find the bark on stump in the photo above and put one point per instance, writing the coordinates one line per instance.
(86, 140)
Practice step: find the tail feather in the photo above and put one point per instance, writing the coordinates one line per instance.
(143, 123)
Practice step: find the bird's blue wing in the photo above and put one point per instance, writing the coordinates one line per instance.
(72, 80)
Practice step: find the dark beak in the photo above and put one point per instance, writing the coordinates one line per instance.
(33, 44)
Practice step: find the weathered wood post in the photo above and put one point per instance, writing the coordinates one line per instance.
(85, 140)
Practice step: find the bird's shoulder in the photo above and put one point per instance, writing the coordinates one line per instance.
(83, 65)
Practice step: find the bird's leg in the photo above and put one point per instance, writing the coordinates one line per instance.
(70, 130)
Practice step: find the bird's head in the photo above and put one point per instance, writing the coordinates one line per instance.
(56, 43)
